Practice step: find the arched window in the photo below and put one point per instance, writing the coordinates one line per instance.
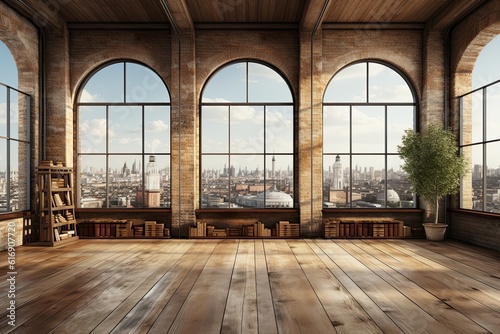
(14, 137)
(480, 133)
(124, 138)
(367, 106)
(247, 138)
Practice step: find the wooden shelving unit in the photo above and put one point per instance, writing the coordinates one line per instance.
(56, 209)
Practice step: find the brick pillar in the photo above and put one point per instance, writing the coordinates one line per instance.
(184, 165)
(432, 104)
(59, 113)
(433, 94)
(310, 139)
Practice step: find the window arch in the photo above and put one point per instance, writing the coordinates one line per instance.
(14, 137)
(123, 148)
(480, 133)
(247, 138)
(367, 106)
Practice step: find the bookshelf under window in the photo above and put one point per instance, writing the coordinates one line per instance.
(55, 204)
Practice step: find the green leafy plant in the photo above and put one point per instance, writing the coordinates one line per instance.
(432, 163)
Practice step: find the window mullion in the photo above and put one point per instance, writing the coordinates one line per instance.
(485, 136)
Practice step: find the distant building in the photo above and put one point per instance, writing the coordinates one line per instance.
(338, 175)
(152, 184)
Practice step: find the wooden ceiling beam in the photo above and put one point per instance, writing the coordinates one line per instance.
(39, 12)
(452, 11)
(178, 14)
(314, 13)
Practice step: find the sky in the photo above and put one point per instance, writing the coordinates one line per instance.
(247, 124)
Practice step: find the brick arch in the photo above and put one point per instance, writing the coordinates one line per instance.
(22, 40)
(467, 41)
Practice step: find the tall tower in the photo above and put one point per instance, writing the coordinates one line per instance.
(338, 174)
(273, 176)
(152, 184)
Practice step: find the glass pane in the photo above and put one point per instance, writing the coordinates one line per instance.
(9, 73)
(368, 174)
(277, 169)
(247, 185)
(477, 177)
(484, 69)
(214, 129)
(3, 111)
(24, 114)
(368, 129)
(3, 175)
(92, 129)
(493, 112)
(157, 129)
(398, 186)
(19, 175)
(247, 125)
(14, 176)
(476, 117)
(399, 119)
(227, 85)
(336, 178)
(125, 183)
(214, 181)
(279, 181)
(348, 85)
(144, 85)
(14, 114)
(106, 85)
(92, 181)
(466, 180)
(125, 129)
(386, 85)
(283, 171)
(266, 85)
(493, 177)
(279, 129)
(156, 182)
(163, 165)
(336, 129)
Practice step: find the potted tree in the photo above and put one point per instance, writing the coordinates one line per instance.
(434, 168)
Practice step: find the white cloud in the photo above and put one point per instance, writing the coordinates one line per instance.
(216, 100)
(392, 93)
(87, 97)
(157, 126)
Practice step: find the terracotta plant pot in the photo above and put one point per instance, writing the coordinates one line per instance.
(435, 232)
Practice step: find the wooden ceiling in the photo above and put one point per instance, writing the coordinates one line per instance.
(303, 13)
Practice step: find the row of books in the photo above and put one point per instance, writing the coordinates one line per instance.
(58, 236)
(57, 201)
(337, 228)
(50, 163)
(258, 229)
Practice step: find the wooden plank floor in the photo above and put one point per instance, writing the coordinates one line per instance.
(254, 286)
